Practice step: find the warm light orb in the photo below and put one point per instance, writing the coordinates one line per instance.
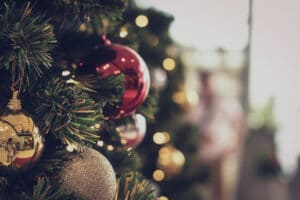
(158, 175)
(161, 137)
(66, 73)
(169, 64)
(179, 97)
(110, 147)
(123, 32)
(83, 27)
(100, 143)
(163, 198)
(192, 97)
(171, 160)
(70, 148)
(141, 21)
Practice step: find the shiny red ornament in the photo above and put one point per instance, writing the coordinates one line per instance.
(113, 59)
(132, 134)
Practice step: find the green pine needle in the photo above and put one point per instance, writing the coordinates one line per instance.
(68, 113)
(26, 39)
(133, 186)
(150, 106)
(103, 90)
(43, 190)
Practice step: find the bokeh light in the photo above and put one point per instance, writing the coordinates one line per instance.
(158, 175)
(141, 21)
(161, 137)
(169, 64)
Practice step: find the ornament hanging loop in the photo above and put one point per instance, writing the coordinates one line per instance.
(14, 103)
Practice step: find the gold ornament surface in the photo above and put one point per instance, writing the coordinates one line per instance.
(21, 142)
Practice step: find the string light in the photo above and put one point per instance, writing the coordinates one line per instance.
(158, 175)
(110, 147)
(163, 198)
(83, 27)
(169, 64)
(179, 97)
(171, 160)
(141, 21)
(100, 143)
(97, 126)
(123, 141)
(161, 137)
(123, 32)
(70, 148)
(65, 73)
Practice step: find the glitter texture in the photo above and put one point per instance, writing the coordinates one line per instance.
(90, 176)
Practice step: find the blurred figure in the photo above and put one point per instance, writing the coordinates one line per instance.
(221, 124)
(11, 150)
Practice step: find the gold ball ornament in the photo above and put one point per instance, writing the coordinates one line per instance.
(21, 142)
(90, 176)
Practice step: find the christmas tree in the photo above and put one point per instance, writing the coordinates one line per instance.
(170, 147)
(74, 102)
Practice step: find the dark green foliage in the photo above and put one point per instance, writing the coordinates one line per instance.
(3, 184)
(133, 186)
(51, 163)
(26, 39)
(105, 91)
(124, 161)
(69, 14)
(67, 112)
(44, 190)
(150, 106)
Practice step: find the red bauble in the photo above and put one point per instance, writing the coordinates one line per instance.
(132, 134)
(113, 59)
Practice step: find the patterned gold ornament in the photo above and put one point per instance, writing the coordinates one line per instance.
(21, 143)
(90, 176)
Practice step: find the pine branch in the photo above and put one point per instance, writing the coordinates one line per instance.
(105, 91)
(43, 190)
(51, 164)
(26, 39)
(133, 186)
(150, 106)
(88, 6)
(68, 12)
(67, 112)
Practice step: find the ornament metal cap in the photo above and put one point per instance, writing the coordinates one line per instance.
(14, 103)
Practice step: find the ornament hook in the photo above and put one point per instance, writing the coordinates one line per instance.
(14, 103)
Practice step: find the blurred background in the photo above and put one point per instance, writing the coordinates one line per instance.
(229, 114)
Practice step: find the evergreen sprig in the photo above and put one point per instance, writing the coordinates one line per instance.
(150, 106)
(43, 190)
(67, 112)
(104, 91)
(26, 40)
(70, 11)
(51, 164)
(133, 186)
(88, 6)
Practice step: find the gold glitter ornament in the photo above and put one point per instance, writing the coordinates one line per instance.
(21, 142)
(90, 176)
